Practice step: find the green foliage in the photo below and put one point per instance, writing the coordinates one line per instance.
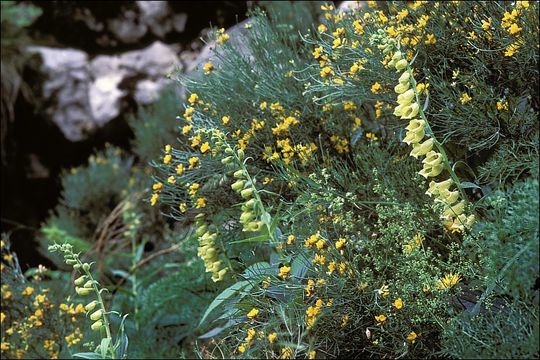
(155, 125)
(507, 333)
(505, 243)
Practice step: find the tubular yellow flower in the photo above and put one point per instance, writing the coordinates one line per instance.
(416, 132)
(429, 171)
(448, 197)
(401, 64)
(432, 159)
(410, 111)
(454, 210)
(422, 149)
(435, 188)
(404, 78)
(406, 97)
(401, 87)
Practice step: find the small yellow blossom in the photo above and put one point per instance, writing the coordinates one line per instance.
(186, 129)
(193, 98)
(225, 120)
(465, 98)
(28, 291)
(272, 337)
(154, 199)
(502, 105)
(376, 88)
(380, 319)
(448, 281)
(398, 303)
(290, 239)
(412, 337)
(253, 313)
(171, 179)
(179, 169)
(208, 67)
(205, 147)
(182, 207)
(157, 186)
(322, 28)
(284, 271)
(193, 162)
(167, 159)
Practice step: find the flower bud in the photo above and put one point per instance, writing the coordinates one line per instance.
(86, 266)
(238, 174)
(405, 77)
(91, 305)
(250, 204)
(401, 64)
(88, 284)
(241, 154)
(229, 151)
(83, 291)
(77, 266)
(79, 281)
(246, 216)
(246, 193)
(71, 261)
(97, 325)
(239, 185)
(227, 160)
(96, 315)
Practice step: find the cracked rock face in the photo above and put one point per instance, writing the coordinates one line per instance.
(83, 95)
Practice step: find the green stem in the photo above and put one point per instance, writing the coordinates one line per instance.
(102, 306)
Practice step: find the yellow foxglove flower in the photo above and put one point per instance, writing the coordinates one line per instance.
(406, 98)
(401, 87)
(401, 64)
(454, 210)
(435, 188)
(97, 325)
(432, 159)
(404, 78)
(422, 149)
(429, 171)
(219, 275)
(410, 111)
(96, 315)
(398, 111)
(416, 131)
(448, 197)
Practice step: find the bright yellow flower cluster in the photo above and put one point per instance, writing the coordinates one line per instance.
(448, 281)
(341, 144)
(207, 249)
(312, 312)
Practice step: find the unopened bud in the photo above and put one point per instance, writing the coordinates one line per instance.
(83, 291)
(91, 305)
(80, 281)
(86, 266)
(246, 193)
(97, 325)
(96, 315)
(88, 284)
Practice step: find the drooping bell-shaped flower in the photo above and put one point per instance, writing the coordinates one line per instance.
(435, 188)
(454, 211)
(410, 111)
(401, 88)
(401, 64)
(429, 171)
(448, 197)
(432, 158)
(416, 132)
(405, 77)
(422, 149)
(406, 98)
